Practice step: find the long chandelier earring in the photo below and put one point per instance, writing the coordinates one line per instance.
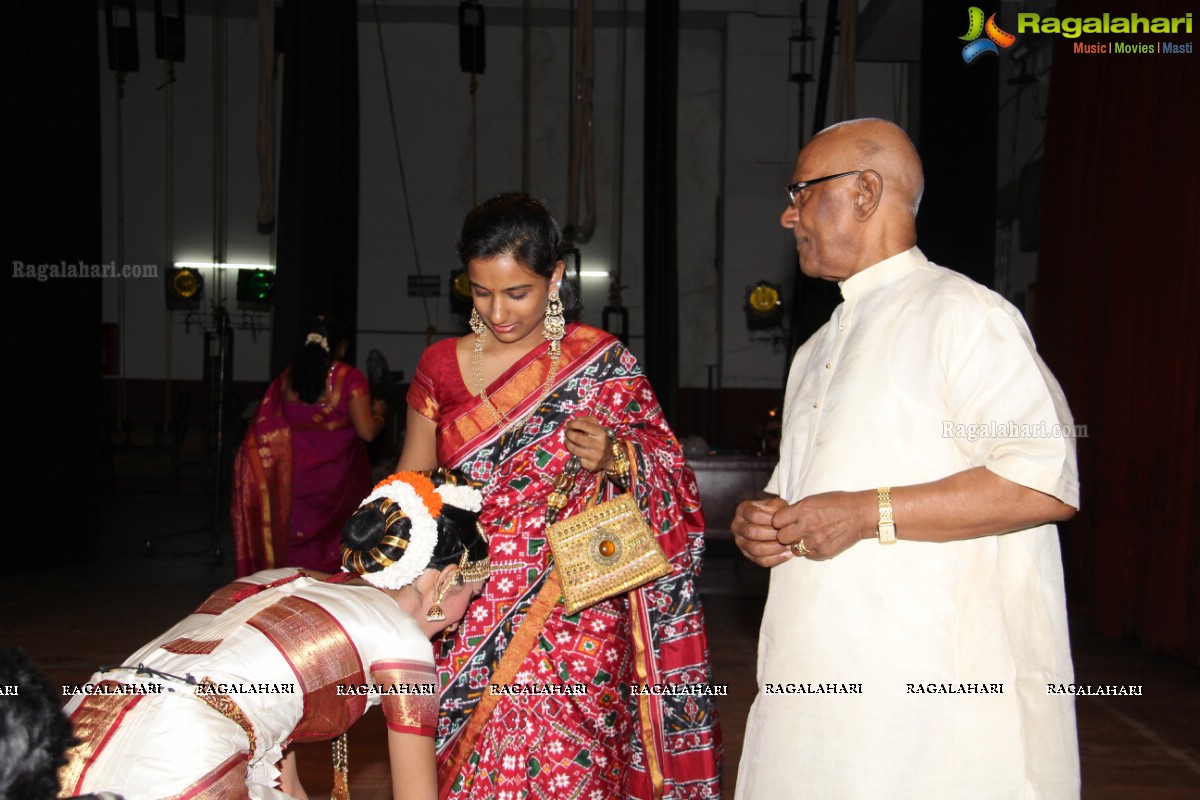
(476, 322)
(554, 325)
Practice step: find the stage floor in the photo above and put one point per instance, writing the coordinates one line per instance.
(69, 620)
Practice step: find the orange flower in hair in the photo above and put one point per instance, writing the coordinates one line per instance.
(421, 485)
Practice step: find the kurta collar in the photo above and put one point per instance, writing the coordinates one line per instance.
(881, 273)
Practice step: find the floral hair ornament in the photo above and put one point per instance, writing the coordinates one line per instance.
(417, 499)
(318, 339)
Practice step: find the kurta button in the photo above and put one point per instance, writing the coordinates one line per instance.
(829, 366)
(816, 405)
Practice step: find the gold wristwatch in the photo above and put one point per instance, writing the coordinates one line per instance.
(887, 527)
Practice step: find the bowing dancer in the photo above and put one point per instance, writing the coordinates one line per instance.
(208, 709)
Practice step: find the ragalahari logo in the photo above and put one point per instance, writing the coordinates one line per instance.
(996, 38)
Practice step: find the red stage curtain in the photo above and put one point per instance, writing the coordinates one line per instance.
(1117, 321)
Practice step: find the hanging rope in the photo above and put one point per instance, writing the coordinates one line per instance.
(526, 96)
(430, 328)
(474, 112)
(218, 169)
(615, 286)
(582, 159)
(120, 87)
(266, 114)
(168, 222)
(844, 106)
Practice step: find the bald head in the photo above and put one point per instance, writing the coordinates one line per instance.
(862, 185)
(884, 147)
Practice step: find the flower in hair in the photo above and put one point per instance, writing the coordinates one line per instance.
(414, 493)
(419, 483)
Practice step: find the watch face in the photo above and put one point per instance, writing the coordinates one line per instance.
(887, 533)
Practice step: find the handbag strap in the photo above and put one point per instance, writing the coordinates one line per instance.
(564, 484)
(518, 648)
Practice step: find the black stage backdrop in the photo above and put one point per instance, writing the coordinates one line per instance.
(51, 330)
(317, 255)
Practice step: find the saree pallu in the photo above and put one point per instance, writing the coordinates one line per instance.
(300, 473)
(573, 723)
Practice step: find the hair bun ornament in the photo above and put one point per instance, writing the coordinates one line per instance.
(318, 339)
(390, 539)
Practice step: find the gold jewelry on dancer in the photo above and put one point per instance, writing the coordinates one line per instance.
(799, 549)
(227, 707)
(474, 571)
(476, 322)
(435, 612)
(341, 769)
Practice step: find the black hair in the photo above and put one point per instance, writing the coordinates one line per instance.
(34, 733)
(311, 364)
(457, 530)
(517, 225)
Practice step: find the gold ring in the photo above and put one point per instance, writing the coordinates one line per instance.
(799, 549)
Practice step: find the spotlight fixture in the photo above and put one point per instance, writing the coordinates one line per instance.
(472, 46)
(763, 307)
(255, 288)
(120, 27)
(184, 287)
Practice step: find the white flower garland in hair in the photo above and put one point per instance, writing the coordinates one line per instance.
(422, 536)
(467, 498)
(319, 339)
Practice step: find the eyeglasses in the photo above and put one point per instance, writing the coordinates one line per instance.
(794, 189)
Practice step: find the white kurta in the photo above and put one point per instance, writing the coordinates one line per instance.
(283, 655)
(877, 398)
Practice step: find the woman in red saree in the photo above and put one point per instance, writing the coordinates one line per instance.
(509, 406)
(303, 467)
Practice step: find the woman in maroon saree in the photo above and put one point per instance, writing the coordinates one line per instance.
(509, 411)
(302, 468)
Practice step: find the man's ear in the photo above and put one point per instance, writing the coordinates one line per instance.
(869, 193)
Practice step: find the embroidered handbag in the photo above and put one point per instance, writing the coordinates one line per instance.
(605, 550)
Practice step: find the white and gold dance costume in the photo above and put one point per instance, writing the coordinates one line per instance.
(277, 657)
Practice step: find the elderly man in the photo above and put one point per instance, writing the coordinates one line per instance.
(916, 620)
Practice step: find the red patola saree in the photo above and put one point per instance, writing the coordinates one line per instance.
(577, 720)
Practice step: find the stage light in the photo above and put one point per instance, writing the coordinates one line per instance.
(460, 292)
(255, 288)
(763, 306)
(184, 287)
(120, 26)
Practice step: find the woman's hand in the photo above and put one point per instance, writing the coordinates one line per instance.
(587, 440)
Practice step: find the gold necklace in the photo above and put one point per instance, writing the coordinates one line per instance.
(481, 389)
